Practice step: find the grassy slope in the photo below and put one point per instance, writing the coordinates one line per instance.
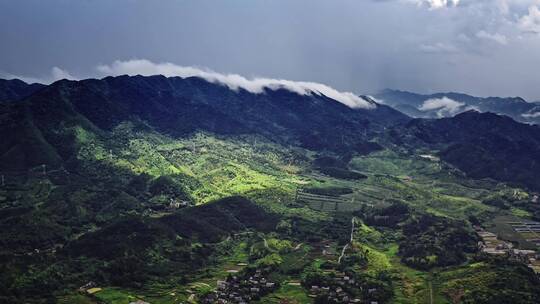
(268, 173)
(422, 183)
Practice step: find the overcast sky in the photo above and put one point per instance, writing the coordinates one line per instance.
(482, 47)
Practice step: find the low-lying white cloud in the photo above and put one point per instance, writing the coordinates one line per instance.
(443, 106)
(58, 73)
(531, 115)
(233, 81)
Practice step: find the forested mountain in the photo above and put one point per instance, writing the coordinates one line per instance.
(35, 130)
(448, 104)
(15, 89)
(482, 145)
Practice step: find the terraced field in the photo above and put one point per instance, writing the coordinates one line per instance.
(313, 209)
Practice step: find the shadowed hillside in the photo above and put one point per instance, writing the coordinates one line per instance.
(13, 90)
(483, 145)
(34, 130)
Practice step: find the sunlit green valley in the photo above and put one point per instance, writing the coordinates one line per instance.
(292, 224)
(171, 190)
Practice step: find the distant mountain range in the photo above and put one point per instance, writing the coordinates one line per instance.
(449, 104)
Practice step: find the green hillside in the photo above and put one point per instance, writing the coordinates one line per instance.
(117, 206)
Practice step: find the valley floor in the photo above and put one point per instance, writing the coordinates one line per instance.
(330, 236)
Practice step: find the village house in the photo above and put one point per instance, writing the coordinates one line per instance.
(238, 289)
(493, 246)
(174, 204)
(490, 244)
(87, 286)
(524, 256)
(338, 291)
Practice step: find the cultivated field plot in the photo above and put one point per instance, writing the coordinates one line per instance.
(514, 229)
(525, 226)
(529, 230)
(327, 203)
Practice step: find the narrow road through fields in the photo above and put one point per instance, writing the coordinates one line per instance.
(430, 292)
(342, 253)
(350, 241)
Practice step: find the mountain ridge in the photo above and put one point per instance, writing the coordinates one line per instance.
(414, 104)
(15, 89)
(179, 106)
(483, 145)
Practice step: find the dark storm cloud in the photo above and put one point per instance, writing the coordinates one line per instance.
(484, 47)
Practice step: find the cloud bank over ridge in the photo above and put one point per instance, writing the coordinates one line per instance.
(444, 106)
(232, 81)
(480, 47)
